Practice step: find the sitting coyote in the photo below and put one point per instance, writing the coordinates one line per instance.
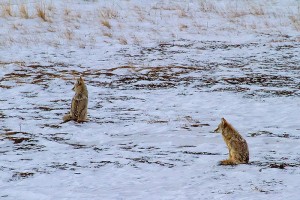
(237, 145)
(79, 104)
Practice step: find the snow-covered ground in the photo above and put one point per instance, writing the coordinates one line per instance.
(160, 76)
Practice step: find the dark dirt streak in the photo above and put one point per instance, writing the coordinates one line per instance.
(269, 134)
(199, 76)
(200, 153)
(147, 160)
(277, 165)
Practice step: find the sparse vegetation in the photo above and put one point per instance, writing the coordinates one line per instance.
(24, 11)
(295, 22)
(6, 10)
(207, 6)
(182, 27)
(67, 12)
(107, 34)
(106, 23)
(158, 20)
(257, 10)
(41, 11)
(122, 40)
(69, 35)
(108, 13)
(182, 13)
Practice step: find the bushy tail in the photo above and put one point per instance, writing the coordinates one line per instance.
(67, 117)
(227, 162)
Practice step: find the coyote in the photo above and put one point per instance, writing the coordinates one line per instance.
(79, 104)
(237, 145)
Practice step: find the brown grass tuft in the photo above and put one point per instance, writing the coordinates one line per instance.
(136, 40)
(107, 34)
(67, 12)
(182, 27)
(207, 6)
(69, 34)
(108, 13)
(122, 41)
(6, 10)
(24, 11)
(106, 23)
(257, 11)
(41, 11)
(182, 13)
(295, 22)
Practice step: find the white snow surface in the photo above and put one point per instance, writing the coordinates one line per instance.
(160, 76)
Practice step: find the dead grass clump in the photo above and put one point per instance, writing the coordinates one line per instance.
(108, 13)
(140, 12)
(24, 11)
(106, 23)
(41, 11)
(51, 29)
(295, 22)
(183, 27)
(50, 7)
(182, 13)
(107, 34)
(257, 10)
(6, 10)
(136, 40)
(236, 13)
(69, 35)
(207, 6)
(122, 41)
(67, 12)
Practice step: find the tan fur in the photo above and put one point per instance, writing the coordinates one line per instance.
(79, 104)
(237, 145)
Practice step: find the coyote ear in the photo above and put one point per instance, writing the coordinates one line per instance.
(223, 121)
(80, 80)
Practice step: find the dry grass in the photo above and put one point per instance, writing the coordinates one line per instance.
(106, 23)
(107, 34)
(140, 12)
(207, 6)
(51, 29)
(82, 45)
(41, 11)
(253, 26)
(295, 22)
(122, 40)
(6, 10)
(136, 40)
(257, 10)
(108, 13)
(67, 12)
(50, 7)
(182, 27)
(182, 13)
(238, 13)
(68, 15)
(23, 9)
(69, 35)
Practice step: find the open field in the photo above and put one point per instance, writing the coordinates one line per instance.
(160, 76)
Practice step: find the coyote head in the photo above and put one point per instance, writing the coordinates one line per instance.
(221, 126)
(79, 85)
